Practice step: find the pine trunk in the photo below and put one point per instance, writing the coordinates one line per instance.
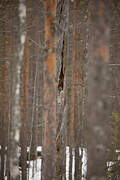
(49, 144)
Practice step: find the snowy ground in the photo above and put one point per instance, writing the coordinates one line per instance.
(84, 163)
(35, 166)
(34, 172)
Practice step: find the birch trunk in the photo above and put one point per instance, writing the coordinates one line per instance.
(16, 118)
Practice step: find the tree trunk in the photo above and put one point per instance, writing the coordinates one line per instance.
(61, 105)
(24, 109)
(114, 93)
(49, 144)
(98, 76)
(69, 88)
(3, 99)
(79, 35)
(16, 118)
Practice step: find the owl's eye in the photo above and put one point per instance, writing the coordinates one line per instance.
(59, 88)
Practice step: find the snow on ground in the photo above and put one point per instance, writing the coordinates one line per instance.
(73, 163)
(84, 163)
(34, 172)
(36, 175)
(67, 162)
(35, 166)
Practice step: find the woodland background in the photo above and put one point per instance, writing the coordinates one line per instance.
(60, 87)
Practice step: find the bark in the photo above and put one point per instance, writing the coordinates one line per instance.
(16, 118)
(3, 99)
(61, 105)
(40, 73)
(114, 64)
(70, 87)
(79, 35)
(98, 81)
(114, 92)
(24, 109)
(11, 54)
(35, 36)
(49, 144)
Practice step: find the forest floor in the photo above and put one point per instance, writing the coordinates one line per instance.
(34, 170)
(35, 166)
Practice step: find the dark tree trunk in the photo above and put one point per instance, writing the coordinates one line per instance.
(24, 109)
(3, 99)
(79, 35)
(61, 105)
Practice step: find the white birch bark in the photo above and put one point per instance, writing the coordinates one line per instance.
(16, 119)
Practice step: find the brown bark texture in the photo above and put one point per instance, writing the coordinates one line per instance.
(49, 144)
(79, 36)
